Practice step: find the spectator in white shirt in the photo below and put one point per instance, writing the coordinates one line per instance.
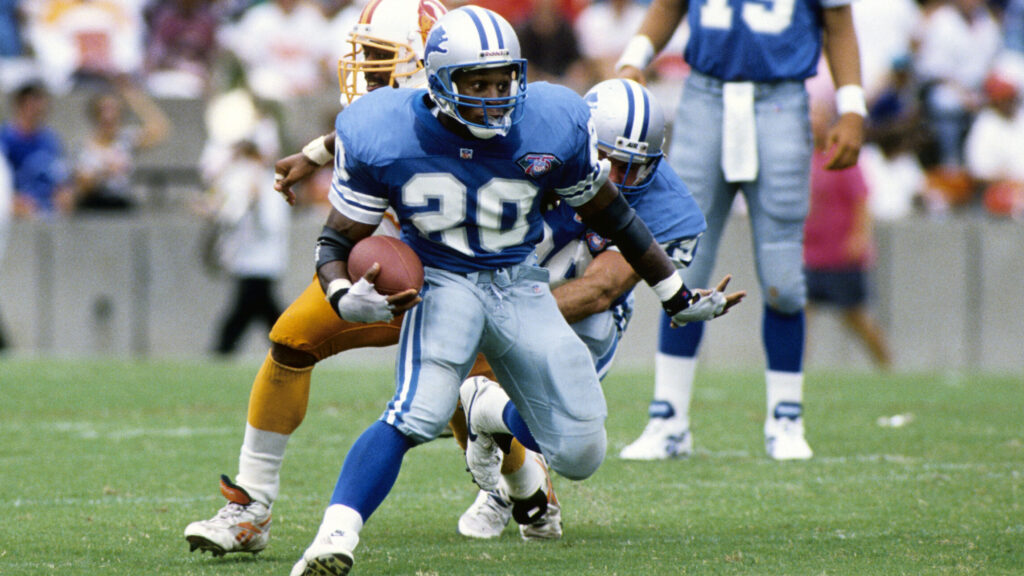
(959, 42)
(284, 48)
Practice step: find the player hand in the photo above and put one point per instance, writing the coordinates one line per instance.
(362, 302)
(633, 73)
(844, 140)
(708, 304)
(289, 171)
(403, 301)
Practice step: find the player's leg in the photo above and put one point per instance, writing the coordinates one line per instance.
(491, 511)
(778, 204)
(305, 333)
(600, 333)
(572, 435)
(437, 348)
(695, 155)
(557, 405)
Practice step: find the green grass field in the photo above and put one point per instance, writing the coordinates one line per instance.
(103, 463)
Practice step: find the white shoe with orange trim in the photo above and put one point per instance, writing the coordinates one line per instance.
(243, 525)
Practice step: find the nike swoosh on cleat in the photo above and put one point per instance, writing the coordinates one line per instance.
(469, 417)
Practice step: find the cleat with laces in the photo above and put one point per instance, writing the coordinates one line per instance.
(483, 455)
(661, 439)
(242, 525)
(488, 515)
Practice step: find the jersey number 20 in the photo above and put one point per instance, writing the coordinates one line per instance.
(501, 209)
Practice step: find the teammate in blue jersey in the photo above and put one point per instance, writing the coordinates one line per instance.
(591, 281)
(466, 165)
(743, 126)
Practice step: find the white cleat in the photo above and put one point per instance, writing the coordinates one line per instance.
(483, 456)
(784, 439)
(661, 439)
(330, 554)
(487, 517)
(243, 525)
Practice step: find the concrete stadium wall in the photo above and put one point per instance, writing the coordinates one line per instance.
(950, 294)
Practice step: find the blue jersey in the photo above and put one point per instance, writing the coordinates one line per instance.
(668, 208)
(756, 40)
(463, 204)
(37, 163)
(665, 205)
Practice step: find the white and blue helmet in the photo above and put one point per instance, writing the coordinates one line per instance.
(474, 38)
(630, 127)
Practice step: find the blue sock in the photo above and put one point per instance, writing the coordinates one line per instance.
(510, 415)
(783, 336)
(371, 468)
(683, 341)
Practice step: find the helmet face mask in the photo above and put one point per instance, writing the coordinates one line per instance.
(637, 171)
(386, 46)
(475, 40)
(630, 129)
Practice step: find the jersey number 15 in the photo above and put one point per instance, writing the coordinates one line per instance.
(717, 14)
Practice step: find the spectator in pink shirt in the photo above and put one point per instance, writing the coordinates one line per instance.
(838, 240)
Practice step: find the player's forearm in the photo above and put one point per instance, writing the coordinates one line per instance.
(840, 46)
(607, 278)
(661, 21)
(609, 215)
(336, 240)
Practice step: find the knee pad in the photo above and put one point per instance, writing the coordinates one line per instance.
(578, 458)
(782, 278)
(420, 431)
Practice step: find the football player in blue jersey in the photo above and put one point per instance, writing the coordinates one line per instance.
(465, 165)
(743, 126)
(386, 50)
(591, 281)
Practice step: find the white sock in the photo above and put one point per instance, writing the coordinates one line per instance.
(259, 464)
(673, 383)
(784, 387)
(525, 482)
(340, 521)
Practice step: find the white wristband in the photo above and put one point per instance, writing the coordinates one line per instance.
(850, 100)
(336, 285)
(317, 151)
(638, 53)
(668, 287)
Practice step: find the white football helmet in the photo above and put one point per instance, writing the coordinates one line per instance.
(474, 38)
(396, 28)
(630, 128)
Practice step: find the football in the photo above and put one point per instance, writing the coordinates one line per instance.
(400, 268)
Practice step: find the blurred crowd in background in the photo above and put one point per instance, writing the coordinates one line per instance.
(943, 80)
